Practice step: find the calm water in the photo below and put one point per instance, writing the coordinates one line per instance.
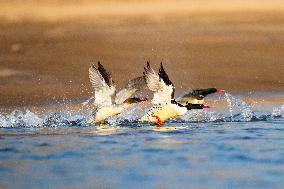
(238, 148)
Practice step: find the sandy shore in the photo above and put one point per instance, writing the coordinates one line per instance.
(46, 48)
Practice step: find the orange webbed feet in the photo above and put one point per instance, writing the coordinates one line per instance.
(158, 120)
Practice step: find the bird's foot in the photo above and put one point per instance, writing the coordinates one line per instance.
(158, 120)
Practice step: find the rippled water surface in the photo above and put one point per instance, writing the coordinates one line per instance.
(240, 147)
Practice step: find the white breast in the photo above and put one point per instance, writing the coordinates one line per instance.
(164, 112)
(106, 112)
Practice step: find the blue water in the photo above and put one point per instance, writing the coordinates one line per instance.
(204, 149)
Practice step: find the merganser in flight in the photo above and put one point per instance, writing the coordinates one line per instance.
(104, 87)
(197, 96)
(165, 106)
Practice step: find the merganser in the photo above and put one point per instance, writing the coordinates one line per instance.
(197, 96)
(164, 104)
(104, 87)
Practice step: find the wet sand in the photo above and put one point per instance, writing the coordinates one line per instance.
(46, 48)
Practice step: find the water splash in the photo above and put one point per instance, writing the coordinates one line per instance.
(132, 114)
(60, 119)
(20, 119)
(200, 116)
(238, 107)
(278, 112)
(28, 119)
(239, 111)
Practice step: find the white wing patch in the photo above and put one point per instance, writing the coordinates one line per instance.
(162, 92)
(103, 92)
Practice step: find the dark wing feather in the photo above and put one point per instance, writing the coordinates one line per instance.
(103, 91)
(164, 76)
(163, 93)
(106, 75)
(146, 71)
(196, 96)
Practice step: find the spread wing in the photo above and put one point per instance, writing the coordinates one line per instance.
(132, 87)
(193, 93)
(190, 98)
(196, 95)
(201, 92)
(103, 85)
(160, 84)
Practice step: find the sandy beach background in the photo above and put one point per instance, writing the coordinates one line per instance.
(46, 47)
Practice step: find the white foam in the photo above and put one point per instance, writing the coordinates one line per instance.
(238, 111)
